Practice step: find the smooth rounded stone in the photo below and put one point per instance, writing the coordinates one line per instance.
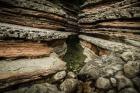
(130, 56)
(71, 75)
(136, 82)
(113, 82)
(132, 68)
(111, 91)
(123, 82)
(59, 75)
(103, 83)
(128, 90)
(69, 85)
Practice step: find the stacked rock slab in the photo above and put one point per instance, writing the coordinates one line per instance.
(117, 19)
(32, 38)
(112, 30)
(40, 14)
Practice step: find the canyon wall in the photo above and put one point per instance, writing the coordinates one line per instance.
(65, 46)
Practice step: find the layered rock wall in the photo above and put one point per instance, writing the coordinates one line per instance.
(117, 19)
(35, 38)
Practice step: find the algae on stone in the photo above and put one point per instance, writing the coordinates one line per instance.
(74, 56)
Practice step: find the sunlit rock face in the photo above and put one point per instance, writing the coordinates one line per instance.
(69, 46)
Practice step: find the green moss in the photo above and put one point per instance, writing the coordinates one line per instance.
(74, 56)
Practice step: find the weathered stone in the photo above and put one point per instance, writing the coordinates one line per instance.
(29, 33)
(103, 83)
(69, 85)
(37, 88)
(25, 70)
(59, 75)
(89, 54)
(109, 45)
(132, 68)
(49, 7)
(136, 82)
(113, 82)
(102, 67)
(130, 56)
(128, 90)
(71, 75)
(123, 82)
(10, 49)
(88, 88)
(133, 42)
(111, 91)
(60, 48)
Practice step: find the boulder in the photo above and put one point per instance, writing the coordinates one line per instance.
(123, 82)
(132, 68)
(103, 66)
(130, 56)
(69, 85)
(128, 90)
(59, 76)
(103, 83)
(136, 82)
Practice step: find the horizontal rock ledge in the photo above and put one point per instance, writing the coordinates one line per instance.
(10, 49)
(29, 33)
(25, 70)
(109, 45)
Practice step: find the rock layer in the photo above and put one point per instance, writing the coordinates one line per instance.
(116, 20)
(25, 70)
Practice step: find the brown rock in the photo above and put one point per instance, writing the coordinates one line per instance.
(23, 49)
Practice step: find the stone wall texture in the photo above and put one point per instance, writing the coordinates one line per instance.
(34, 38)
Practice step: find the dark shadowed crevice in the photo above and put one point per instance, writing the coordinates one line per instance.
(74, 56)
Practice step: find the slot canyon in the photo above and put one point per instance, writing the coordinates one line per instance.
(69, 46)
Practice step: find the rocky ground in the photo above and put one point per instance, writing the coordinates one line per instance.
(65, 46)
